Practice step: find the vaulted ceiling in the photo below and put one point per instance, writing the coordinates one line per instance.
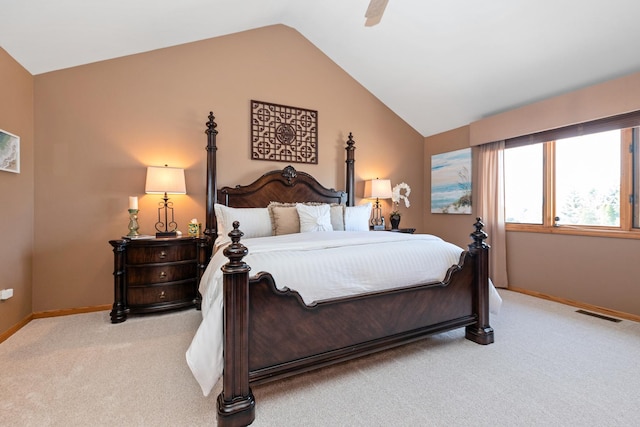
(437, 64)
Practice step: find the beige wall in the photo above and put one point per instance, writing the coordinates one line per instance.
(16, 225)
(606, 99)
(98, 126)
(454, 228)
(593, 270)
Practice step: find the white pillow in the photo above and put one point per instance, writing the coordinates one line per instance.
(314, 218)
(254, 222)
(356, 218)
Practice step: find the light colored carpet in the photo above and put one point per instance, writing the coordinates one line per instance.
(549, 366)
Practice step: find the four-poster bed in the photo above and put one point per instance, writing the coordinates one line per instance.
(270, 333)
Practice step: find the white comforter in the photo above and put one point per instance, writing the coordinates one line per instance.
(319, 266)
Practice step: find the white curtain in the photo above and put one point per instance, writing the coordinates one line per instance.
(491, 208)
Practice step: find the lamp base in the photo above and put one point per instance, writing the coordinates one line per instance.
(166, 234)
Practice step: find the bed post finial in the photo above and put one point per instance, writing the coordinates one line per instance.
(236, 250)
(236, 404)
(350, 177)
(211, 124)
(478, 235)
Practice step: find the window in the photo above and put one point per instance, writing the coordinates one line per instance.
(589, 183)
(523, 170)
(587, 178)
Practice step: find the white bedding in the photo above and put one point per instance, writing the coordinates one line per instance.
(360, 260)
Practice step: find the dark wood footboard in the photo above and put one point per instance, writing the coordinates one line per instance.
(288, 337)
(271, 334)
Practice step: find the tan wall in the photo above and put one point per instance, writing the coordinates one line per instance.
(454, 228)
(593, 270)
(606, 99)
(98, 126)
(16, 226)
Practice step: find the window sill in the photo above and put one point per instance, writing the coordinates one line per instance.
(575, 231)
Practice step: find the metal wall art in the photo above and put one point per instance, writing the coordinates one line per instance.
(283, 133)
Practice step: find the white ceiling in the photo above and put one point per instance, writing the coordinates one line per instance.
(437, 64)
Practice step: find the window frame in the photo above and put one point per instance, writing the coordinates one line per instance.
(629, 143)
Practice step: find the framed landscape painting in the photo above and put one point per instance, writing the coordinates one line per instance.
(9, 152)
(451, 182)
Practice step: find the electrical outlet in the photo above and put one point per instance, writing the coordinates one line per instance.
(6, 294)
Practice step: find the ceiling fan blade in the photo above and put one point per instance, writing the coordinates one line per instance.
(374, 12)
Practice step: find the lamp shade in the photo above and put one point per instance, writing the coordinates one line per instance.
(377, 189)
(163, 179)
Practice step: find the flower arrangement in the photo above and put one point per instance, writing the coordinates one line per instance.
(397, 195)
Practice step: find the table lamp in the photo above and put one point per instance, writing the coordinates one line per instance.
(377, 189)
(165, 180)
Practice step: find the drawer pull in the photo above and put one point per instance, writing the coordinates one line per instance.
(163, 254)
(162, 295)
(163, 275)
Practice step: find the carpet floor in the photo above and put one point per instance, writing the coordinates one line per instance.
(549, 366)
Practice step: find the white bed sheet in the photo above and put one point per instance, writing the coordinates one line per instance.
(302, 259)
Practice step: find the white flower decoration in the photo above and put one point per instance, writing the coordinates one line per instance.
(397, 195)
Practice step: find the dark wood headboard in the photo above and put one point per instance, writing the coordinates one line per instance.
(285, 185)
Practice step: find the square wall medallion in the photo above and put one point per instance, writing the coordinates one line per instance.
(283, 133)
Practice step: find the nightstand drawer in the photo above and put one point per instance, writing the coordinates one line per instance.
(155, 254)
(160, 273)
(161, 294)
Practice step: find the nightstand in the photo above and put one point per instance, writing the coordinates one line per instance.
(403, 230)
(153, 275)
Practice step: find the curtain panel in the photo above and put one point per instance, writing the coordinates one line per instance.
(491, 208)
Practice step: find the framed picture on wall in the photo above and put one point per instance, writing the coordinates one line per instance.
(451, 182)
(9, 152)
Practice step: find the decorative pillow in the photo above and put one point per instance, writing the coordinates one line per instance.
(314, 218)
(337, 217)
(356, 218)
(284, 218)
(254, 222)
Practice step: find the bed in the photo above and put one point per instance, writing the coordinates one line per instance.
(270, 332)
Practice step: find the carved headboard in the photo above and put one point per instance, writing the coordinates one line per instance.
(286, 185)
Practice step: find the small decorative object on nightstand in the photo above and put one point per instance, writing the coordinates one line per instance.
(133, 217)
(133, 223)
(193, 228)
(152, 275)
(394, 219)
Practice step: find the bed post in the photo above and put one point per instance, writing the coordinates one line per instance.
(210, 229)
(480, 332)
(236, 404)
(350, 178)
